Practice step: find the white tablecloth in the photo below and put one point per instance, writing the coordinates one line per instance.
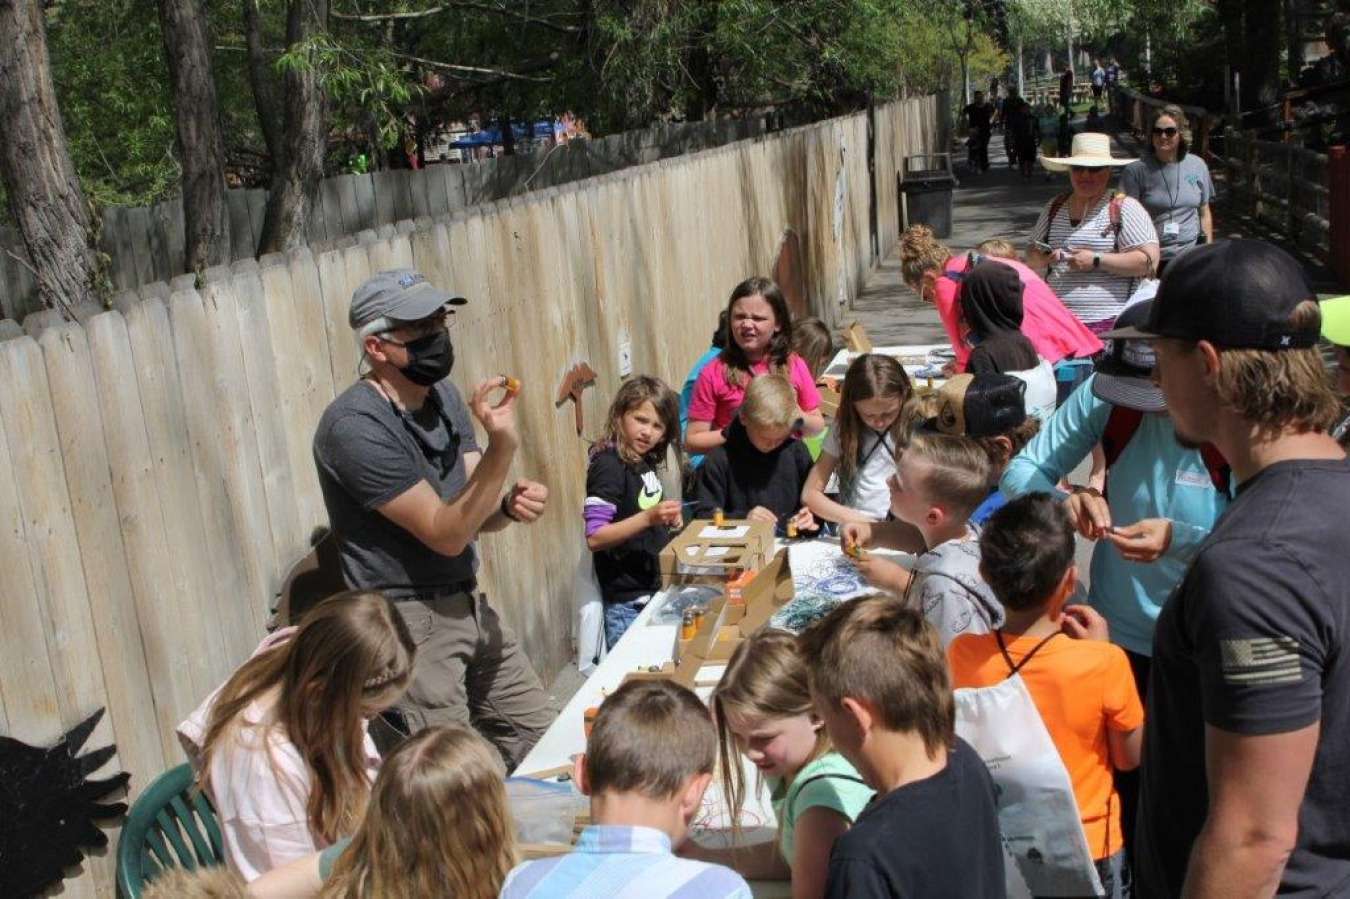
(645, 643)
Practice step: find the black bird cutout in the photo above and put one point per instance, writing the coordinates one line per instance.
(48, 807)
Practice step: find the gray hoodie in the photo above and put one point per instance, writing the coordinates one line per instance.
(948, 589)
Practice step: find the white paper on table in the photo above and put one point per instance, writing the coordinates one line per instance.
(713, 532)
(707, 552)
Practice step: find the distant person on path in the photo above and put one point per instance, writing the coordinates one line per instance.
(1022, 133)
(408, 492)
(1095, 246)
(979, 122)
(1244, 777)
(1098, 79)
(1174, 186)
(1112, 82)
(1066, 88)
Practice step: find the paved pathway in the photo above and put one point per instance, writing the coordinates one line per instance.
(998, 203)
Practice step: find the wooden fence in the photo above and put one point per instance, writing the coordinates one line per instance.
(1285, 187)
(144, 244)
(156, 480)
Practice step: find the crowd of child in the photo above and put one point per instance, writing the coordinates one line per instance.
(865, 728)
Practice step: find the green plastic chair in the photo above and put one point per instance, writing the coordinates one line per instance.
(171, 825)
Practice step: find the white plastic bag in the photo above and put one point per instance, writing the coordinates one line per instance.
(1037, 813)
(590, 615)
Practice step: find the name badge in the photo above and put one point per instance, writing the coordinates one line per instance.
(1171, 229)
(1193, 479)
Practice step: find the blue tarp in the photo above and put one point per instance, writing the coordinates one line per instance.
(490, 136)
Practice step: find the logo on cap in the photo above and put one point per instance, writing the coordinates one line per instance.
(406, 281)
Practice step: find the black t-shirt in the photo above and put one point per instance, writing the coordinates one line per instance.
(616, 490)
(736, 477)
(1256, 640)
(368, 452)
(978, 115)
(935, 838)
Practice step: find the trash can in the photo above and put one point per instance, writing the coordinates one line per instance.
(926, 198)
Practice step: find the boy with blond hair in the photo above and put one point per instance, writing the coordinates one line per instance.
(760, 471)
(939, 481)
(648, 761)
(879, 683)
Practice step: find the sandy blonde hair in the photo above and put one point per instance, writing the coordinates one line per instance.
(998, 248)
(1280, 389)
(877, 650)
(765, 679)
(920, 251)
(215, 882)
(770, 402)
(633, 393)
(351, 653)
(956, 474)
(437, 824)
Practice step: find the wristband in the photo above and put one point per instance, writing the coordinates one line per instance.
(506, 508)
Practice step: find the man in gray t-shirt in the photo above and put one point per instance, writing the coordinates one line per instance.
(408, 491)
(1176, 194)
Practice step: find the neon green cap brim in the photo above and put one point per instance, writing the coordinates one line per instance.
(1336, 320)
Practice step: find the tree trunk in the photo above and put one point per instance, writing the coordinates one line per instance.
(44, 192)
(260, 82)
(1261, 67)
(304, 139)
(201, 145)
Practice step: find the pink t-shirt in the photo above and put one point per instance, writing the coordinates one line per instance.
(716, 401)
(1053, 330)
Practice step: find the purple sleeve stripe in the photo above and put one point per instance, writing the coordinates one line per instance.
(597, 513)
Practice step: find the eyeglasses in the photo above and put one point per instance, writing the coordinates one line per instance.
(1086, 169)
(1164, 132)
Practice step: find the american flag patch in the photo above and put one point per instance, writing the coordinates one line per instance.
(1260, 661)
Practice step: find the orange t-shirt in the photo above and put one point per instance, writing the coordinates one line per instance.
(1081, 688)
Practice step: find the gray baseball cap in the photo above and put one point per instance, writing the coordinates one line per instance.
(400, 295)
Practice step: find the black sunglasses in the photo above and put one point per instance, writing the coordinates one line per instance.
(1080, 169)
(1164, 132)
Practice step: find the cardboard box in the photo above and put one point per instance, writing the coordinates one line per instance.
(830, 397)
(726, 625)
(855, 338)
(705, 554)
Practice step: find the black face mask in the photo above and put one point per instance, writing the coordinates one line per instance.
(430, 359)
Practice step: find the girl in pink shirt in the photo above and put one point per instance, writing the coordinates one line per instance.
(761, 341)
(282, 748)
(930, 270)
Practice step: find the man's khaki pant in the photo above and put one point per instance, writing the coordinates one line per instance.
(470, 670)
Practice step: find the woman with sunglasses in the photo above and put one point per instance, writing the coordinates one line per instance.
(1093, 246)
(1173, 185)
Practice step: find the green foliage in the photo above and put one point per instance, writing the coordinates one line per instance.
(112, 83)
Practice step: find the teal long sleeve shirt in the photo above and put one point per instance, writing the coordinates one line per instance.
(1154, 477)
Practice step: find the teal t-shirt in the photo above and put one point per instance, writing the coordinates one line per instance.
(328, 857)
(829, 782)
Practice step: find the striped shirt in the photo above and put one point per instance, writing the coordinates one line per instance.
(623, 863)
(1094, 296)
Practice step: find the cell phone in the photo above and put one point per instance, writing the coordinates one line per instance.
(1043, 246)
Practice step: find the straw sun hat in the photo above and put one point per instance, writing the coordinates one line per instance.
(1090, 149)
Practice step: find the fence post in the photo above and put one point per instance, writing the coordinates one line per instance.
(1338, 211)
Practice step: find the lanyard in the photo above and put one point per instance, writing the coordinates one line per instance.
(1013, 669)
